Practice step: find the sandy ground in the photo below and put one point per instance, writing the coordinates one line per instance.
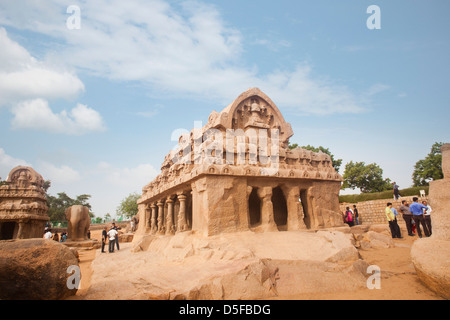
(398, 277)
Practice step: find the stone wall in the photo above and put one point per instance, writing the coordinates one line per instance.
(372, 212)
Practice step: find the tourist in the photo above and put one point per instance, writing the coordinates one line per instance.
(427, 216)
(104, 238)
(112, 233)
(117, 230)
(48, 234)
(349, 217)
(63, 237)
(356, 214)
(390, 216)
(407, 217)
(416, 209)
(56, 237)
(396, 192)
(396, 221)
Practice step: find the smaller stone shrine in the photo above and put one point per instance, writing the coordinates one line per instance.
(23, 205)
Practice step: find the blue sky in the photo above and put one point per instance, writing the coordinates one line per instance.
(94, 109)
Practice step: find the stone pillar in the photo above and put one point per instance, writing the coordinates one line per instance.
(182, 213)
(267, 221)
(295, 219)
(147, 219)
(141, 213)
(160, 205)
(153, 226)
(169, 222)
(431, 256)
(20, 234)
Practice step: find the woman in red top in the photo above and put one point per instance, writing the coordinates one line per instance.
(349, 217)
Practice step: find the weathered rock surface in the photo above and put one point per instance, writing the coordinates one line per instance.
(243, 265)
(374, 239)
(431, 259)
(35, 269)
(431, 256)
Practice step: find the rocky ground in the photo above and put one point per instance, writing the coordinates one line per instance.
(256, 266)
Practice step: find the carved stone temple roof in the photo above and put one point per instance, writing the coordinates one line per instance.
(216, 148)
(23, 196)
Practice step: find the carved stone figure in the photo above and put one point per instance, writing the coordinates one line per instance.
(78, 222)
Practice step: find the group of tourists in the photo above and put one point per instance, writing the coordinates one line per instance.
(414, 215)
(351, 217)
(417, 216)
(54, 236)
(112, 237)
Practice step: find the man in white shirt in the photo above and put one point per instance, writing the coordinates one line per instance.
(48, 235)
(112, 237)
(427, 215)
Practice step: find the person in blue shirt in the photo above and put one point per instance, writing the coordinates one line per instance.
(416, 209)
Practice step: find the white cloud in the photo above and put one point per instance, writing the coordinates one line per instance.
(24, 77)
(27, 84)
(7, 163)
(184, 49)
(58, 175)
(37, 115)
(128, 178)
(377, 88)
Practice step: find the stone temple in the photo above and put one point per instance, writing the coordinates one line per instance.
(23, 205)
(237, 173)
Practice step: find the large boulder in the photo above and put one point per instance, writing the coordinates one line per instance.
(431, 259)
(229, 266)
(375, 240)
(35, 269)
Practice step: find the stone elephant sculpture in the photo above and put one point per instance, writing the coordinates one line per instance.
(79, 222)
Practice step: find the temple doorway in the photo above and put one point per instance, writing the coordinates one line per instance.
(254, 208)
(7, 230)
(280, 212)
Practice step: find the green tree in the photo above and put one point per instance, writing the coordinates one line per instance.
(429, 168)
(47, 185)
(128, 207)
(336, 162)
(58, 204)
(98, 220)
(368, 178)
(107, 217)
